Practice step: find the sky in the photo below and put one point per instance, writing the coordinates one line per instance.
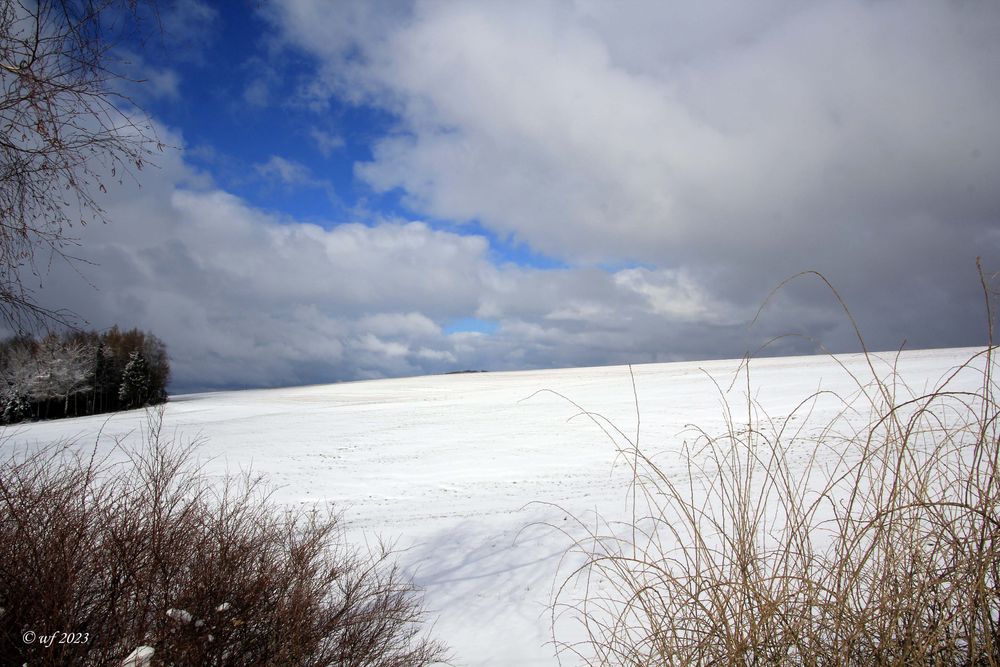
(354, 190)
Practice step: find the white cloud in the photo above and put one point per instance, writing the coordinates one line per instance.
(283, 173)
(523, 120)
(257, 92)
(247, 298)
(143, 81)
(163, 82)
(732, 146)
(676, 296)
(287, 171)
(326, 142)
(186, 28)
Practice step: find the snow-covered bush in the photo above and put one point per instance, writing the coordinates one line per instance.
(153, 554)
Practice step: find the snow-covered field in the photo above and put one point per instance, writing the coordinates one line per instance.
(464, 471)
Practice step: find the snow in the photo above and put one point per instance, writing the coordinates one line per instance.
(180, 615)
(473, 476)
(140, 657)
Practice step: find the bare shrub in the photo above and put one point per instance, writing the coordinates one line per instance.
(153, 553)
(871, 539)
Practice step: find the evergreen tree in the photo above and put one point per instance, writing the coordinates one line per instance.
(134, 389)
(18, 408)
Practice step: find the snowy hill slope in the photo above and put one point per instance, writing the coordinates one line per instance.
(461, 470)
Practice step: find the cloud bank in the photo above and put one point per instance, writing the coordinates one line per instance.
(677, 160)
(244, 297)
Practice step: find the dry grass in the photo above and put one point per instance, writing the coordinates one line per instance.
(154, 553)
(869, 539)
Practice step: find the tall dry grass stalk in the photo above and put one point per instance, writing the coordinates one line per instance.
(869, 539)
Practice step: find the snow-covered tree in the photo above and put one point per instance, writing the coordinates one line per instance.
(63, 368)
(18, 369)
(82, 372)
(134, 389)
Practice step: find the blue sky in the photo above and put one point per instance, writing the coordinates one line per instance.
(371, 189)
(235, 106)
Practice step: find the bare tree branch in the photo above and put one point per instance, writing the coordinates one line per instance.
(64, 129)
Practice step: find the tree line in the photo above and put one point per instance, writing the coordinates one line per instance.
(80, 373)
